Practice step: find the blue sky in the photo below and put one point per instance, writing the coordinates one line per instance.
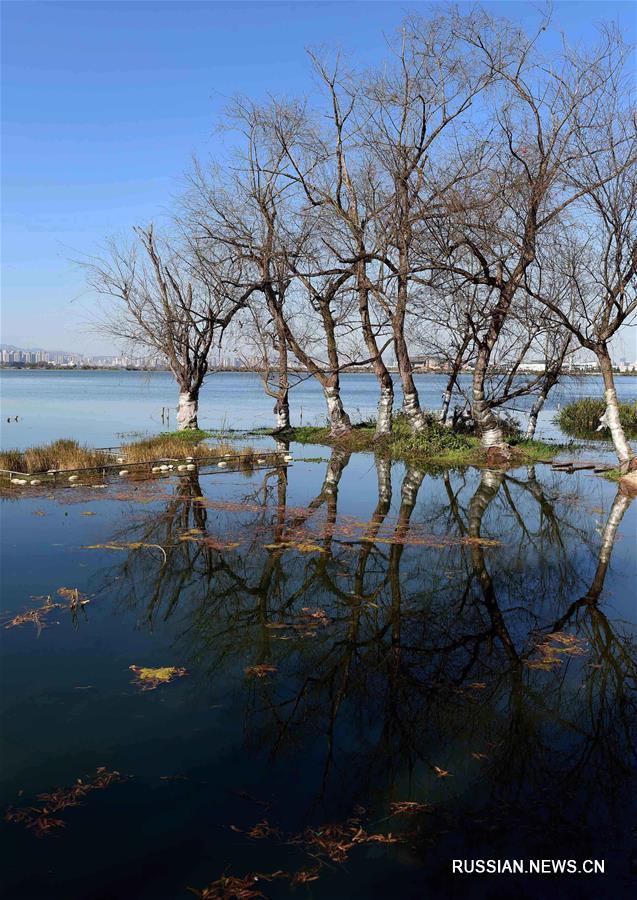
(104, 103)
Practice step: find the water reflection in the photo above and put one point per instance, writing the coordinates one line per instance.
(452, 649)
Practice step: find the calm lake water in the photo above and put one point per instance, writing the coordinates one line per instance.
(99, 407)
(447, 662)
(380, 668)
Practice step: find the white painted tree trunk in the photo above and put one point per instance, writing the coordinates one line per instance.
(282, 410)
(610, 419)
(385, 408)
(620, 504)
(410, 486)
(383, 474)
(339, 420)
(489, 428)
(187, 410)
(413, 412)
(444, 410)
(536, 409)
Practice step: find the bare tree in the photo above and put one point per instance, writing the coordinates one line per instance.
(162, 299)
(339, 179)
(597, 257)
(412, 112)
(319, 315)
(529, 179)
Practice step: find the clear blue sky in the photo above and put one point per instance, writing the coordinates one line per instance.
(104, 103)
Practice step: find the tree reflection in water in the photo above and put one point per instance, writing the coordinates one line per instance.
(435, 651)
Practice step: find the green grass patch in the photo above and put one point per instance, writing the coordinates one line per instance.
(537, 450)
(581, 418)
(435, 445)
(188, 436)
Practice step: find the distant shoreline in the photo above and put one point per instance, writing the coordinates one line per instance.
(233, 371)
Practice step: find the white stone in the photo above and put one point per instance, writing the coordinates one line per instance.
(260, 461)
(181, 468)
(123, 472)
(191, 468)
(222, 464)
(156, 469)
(35, 481)
(74, 477)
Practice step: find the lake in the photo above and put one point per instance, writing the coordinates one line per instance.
(380, 669)
(102, 406)
(325, 679)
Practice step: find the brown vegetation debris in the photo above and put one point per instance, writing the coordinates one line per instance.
(36, 616)
(336, 841)
(75, 597)
(197, 536)
(306, 624)
(304, 876)
(259, 831)
(40, 819)
(553, 648)
(407, 808)
(260, 671)
(229, 887)
(301, 546)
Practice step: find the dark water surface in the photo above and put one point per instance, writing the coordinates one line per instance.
(462, 640)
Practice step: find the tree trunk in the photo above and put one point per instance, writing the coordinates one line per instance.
(187, 409)
(610, 419)
(385, 408)
(549, 382)
(489, 427)
(386, 399)
(451, 382)
(446, 399)
(616, 514)
(282, 410)
(411, 401)
(339, 420)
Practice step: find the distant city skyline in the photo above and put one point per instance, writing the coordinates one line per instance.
(11, 355)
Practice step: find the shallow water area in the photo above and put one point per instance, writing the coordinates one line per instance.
(386, 667)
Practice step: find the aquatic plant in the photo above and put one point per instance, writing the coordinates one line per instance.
(582, 417)
(62, 455)
(148, 679)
